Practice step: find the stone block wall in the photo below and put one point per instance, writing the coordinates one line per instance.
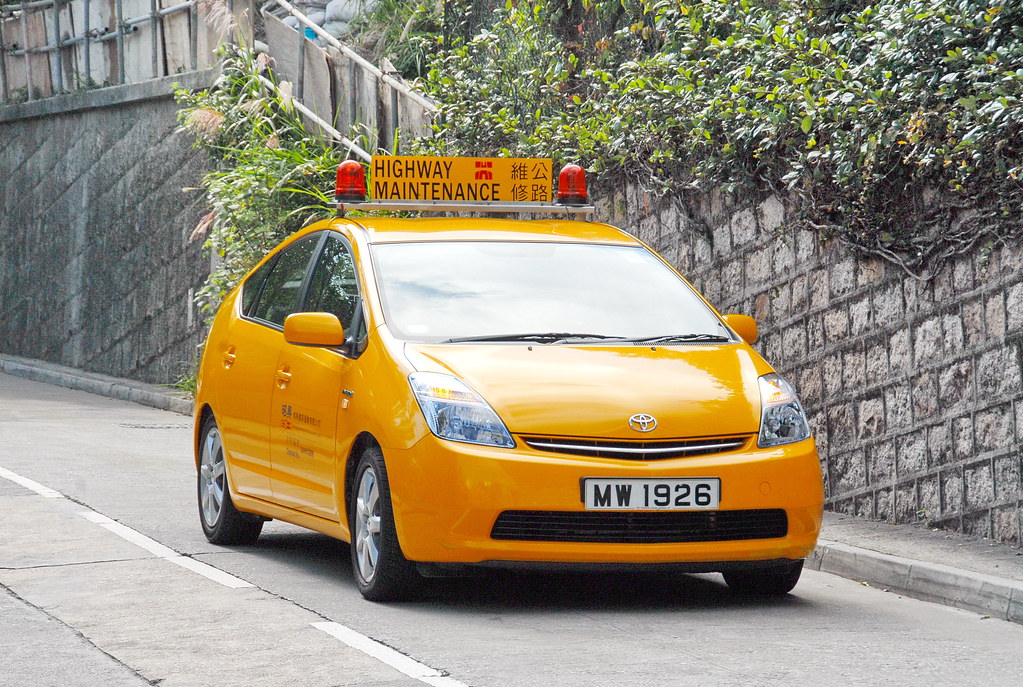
(914, 389)
(96, 270)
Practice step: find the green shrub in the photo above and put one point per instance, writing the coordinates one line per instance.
(270, 177)
(880, 119)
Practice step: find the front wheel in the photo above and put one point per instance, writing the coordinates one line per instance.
(221, 521)
(773, 581)
(381, 570)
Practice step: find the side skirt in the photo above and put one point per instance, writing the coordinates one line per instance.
(331, 528)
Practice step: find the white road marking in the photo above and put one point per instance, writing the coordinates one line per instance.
(165, 552)
(135, 537)
(385, 654)
(30, 484)
(209, 572)
(381, 652)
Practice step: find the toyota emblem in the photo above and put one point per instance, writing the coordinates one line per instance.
(642, 422)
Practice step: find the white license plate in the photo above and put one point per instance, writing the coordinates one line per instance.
(640, 493)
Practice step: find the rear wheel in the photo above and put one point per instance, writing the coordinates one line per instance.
(773, 581)
(221, 521)
(381, 570)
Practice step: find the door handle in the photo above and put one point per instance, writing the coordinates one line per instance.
(283, 377)
(229, 357)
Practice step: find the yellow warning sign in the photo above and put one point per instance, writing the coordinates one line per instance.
(396, 177)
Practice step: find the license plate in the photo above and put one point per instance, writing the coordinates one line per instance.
(641, 493)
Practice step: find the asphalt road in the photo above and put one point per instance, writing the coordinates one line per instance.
(108, 580)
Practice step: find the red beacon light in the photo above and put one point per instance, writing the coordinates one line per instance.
(351, 183)
(572, 185)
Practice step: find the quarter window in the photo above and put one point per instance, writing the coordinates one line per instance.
(250, 290)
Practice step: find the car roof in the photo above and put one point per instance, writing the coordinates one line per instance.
(403, 230)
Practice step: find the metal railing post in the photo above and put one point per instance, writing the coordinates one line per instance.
(4, 91)
(87, 46)
(354, 76)
(193, 35)
(28, 59)
(154, 28)
(300, 85)
(58, 57)
(120, 41)
(395, 136)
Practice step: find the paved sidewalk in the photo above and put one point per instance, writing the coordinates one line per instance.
(942, 567)
(153, 395)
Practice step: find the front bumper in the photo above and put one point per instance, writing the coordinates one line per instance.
(447, 496)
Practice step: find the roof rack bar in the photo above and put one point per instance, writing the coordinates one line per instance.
(469, 206)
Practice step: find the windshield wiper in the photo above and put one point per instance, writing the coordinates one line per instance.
(543, 337)
(678, 338)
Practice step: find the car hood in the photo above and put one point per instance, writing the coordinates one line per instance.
(584, 391)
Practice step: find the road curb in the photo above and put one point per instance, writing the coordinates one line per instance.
(935, 582)
(150, 395)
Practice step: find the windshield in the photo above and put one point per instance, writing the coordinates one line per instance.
(537, 292)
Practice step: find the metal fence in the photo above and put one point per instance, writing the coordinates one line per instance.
(51, 47)
(343, 92)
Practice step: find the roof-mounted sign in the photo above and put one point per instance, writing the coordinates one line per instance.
(469, 179)
(461, 184)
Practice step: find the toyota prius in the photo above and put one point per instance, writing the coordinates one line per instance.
(451, 393)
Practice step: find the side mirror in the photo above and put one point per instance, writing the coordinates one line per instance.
(745, 326)
(314, 329)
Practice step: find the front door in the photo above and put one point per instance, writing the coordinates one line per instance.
(308, 391)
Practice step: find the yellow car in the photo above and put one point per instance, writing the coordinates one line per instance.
(454, 392)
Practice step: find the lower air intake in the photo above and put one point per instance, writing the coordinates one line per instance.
(647, 527)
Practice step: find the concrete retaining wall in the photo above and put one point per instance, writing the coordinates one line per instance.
(96, 271)
(915, 390)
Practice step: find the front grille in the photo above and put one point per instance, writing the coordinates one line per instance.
(646, 527)
(636, 450)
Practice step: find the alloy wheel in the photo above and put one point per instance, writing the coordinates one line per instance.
(212, 477)
(367, 524)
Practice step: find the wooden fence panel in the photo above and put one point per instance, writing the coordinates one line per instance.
(367, 114)
(319, 72)
(386, 116)
(414, 121)
(176, 42)
(102, 56)
(341, 116)
(39, 63)
(68, 68)
(318, 85)
(137, 44)
(212, 30)
(209, 34)
(282, 41)
(17, 80)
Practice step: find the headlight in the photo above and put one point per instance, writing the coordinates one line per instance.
(456, 412)
(782, 420)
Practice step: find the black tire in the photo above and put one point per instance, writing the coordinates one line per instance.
(221, 521)
(773, 581)
(381, 571)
